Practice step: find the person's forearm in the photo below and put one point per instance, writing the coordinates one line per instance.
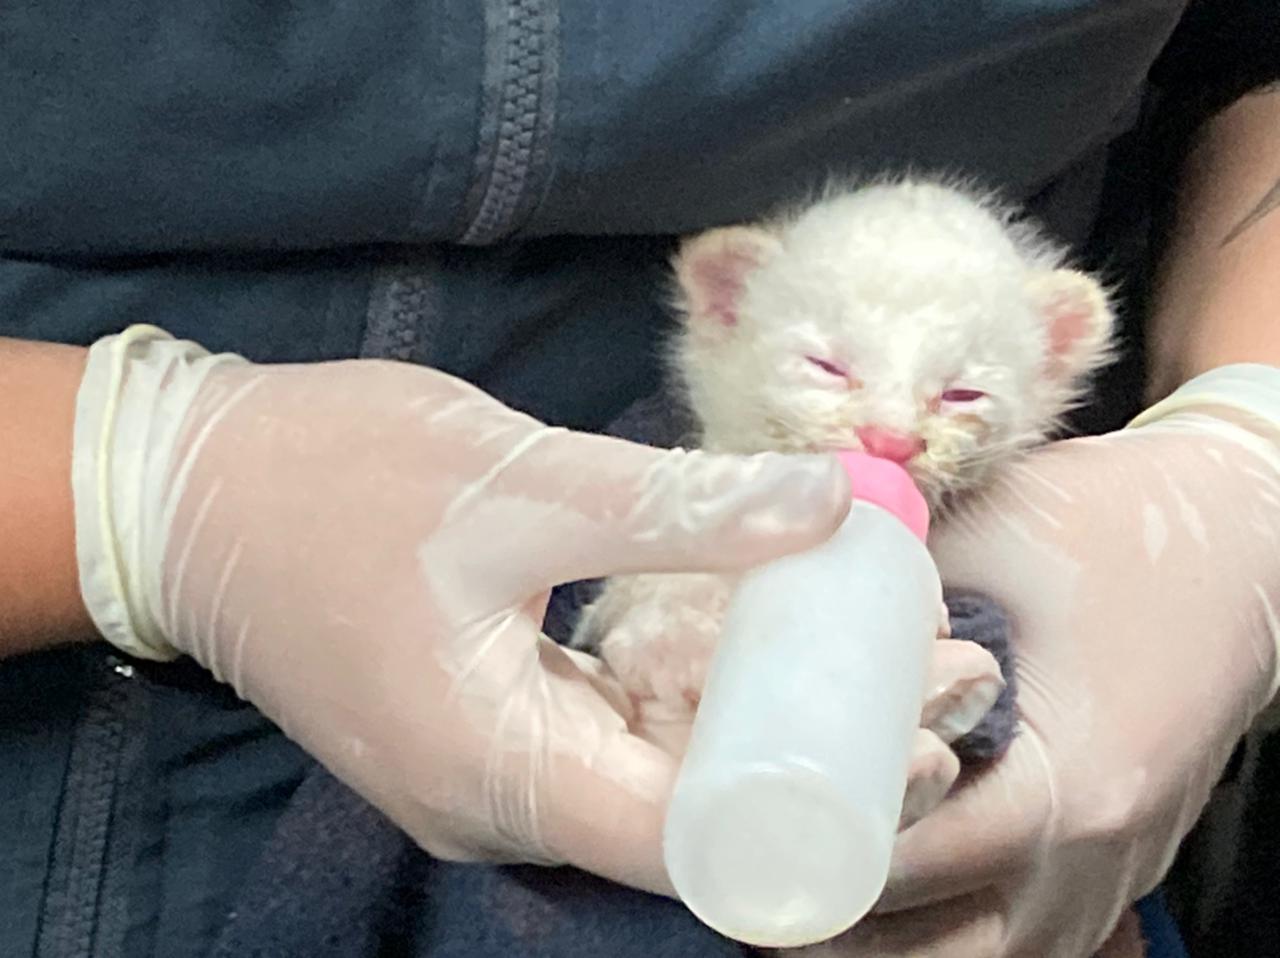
(39, 587)
(1218, 293)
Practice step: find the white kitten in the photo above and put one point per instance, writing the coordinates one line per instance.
(914, 319)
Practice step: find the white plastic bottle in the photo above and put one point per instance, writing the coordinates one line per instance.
(786, 807)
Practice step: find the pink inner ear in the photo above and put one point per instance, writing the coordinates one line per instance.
(1068, 323)
(719, 278)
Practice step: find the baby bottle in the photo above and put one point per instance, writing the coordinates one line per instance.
(786, 807)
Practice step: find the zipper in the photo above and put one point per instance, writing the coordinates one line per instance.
(84, 910)
(512, 163)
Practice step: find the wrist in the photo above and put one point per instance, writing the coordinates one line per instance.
(40, 602)
(131, 411)
(1246, 393)
(1239, 403)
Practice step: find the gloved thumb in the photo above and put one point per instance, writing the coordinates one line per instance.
(610, 507)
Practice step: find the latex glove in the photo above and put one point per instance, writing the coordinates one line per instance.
(1142, 577)
(964, 682)
(364, 550)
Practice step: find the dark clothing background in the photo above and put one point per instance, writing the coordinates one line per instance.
(140, 126)
(491, 188)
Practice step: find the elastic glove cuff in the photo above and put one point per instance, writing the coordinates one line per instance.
(1252, 388)
(130, 408)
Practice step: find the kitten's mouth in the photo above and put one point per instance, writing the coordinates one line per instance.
(922, 471)
(906, 452)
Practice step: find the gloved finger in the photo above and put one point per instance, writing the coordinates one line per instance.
(604, 811)
(934, 768)
(589, 506)
(572, 784)
(964, 683)
(981, 834)
(563, 782)
(969, 926)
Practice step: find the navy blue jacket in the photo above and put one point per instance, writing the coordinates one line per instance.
(491, 188)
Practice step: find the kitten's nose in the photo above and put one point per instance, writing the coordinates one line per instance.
(894, 446)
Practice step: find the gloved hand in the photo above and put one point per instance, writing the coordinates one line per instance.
(1141, 572)
(964, 682)
(364, 551)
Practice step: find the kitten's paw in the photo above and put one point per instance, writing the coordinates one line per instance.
(664, 659)
(660, 647)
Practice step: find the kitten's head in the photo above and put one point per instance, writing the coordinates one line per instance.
(909, 319)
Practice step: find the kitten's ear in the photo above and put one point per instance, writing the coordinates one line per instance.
(1074, 306)
(712, 269)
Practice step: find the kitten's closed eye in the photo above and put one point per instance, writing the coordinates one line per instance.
(962, 395)
(834, 373)
(828, 366)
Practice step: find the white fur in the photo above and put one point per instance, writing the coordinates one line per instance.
(916, 287)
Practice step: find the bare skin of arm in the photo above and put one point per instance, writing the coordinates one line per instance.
(40, 602)
(1218, 297)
